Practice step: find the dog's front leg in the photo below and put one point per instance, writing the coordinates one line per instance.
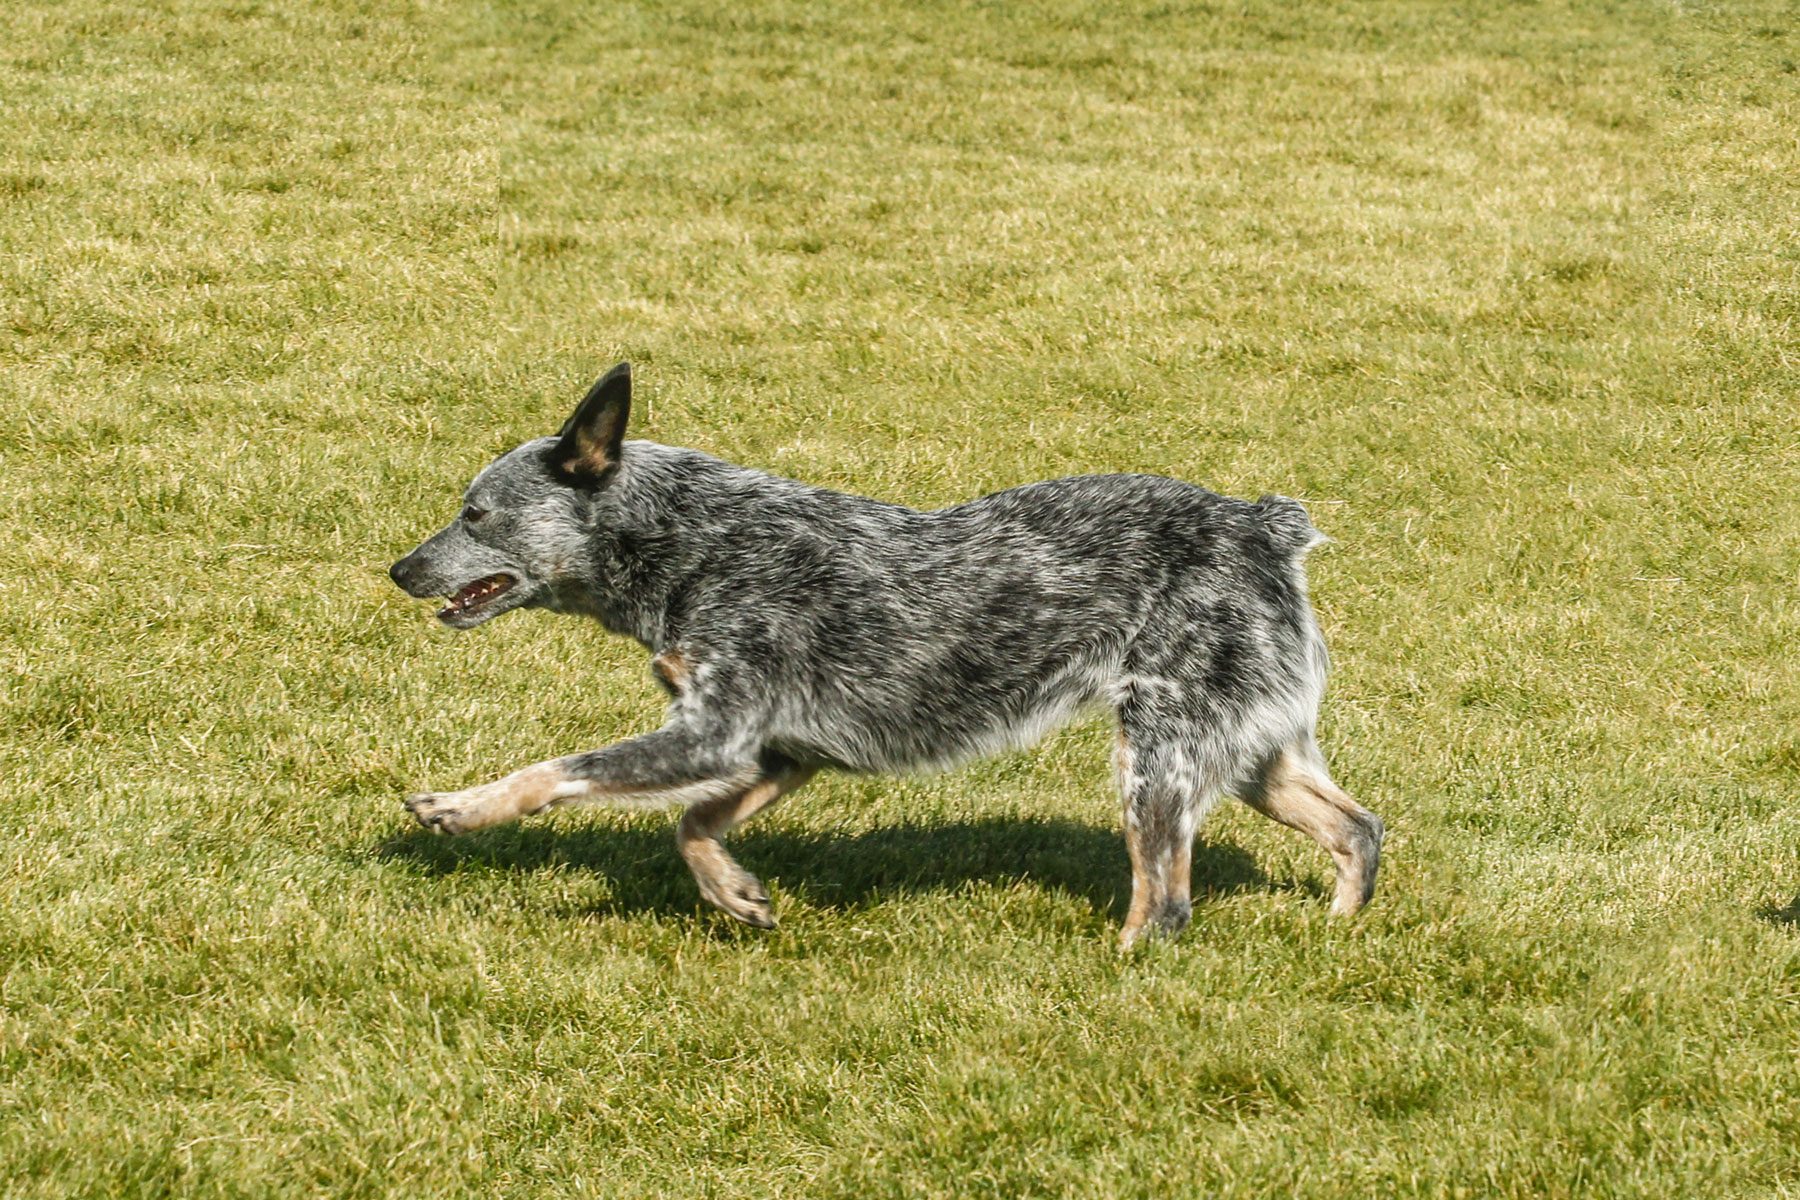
(678, 764)
(723, 882)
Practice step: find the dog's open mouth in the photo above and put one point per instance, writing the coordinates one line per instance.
(477, 595)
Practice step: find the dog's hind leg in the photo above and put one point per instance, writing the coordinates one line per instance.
(1294, 788)
(723, 882)
(1167, 790)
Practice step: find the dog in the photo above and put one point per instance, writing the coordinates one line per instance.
(797, 629)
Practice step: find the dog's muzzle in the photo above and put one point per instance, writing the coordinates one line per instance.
(405, 575)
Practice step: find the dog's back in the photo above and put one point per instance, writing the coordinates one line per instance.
(903, 639)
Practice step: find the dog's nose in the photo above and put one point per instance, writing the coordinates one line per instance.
(398, 573)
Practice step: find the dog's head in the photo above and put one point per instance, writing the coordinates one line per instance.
(522, 527)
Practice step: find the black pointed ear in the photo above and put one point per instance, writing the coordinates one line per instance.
(588, 447)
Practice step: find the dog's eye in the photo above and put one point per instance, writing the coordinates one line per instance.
(472, 514)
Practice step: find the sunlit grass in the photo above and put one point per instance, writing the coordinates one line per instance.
(1508, 293)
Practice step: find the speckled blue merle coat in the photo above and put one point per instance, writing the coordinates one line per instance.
(798, 628)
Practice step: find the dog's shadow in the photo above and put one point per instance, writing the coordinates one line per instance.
(1789, 916)
(833, 871)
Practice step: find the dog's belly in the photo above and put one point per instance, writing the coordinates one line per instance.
(937, 730)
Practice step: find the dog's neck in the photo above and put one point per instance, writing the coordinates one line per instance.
(643, 565)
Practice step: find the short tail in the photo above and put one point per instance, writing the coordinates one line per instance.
(1288, 525)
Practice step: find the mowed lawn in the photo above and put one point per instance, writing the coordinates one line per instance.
(1510, 294)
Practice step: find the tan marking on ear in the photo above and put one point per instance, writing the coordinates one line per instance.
(591, 457)
(587, 464)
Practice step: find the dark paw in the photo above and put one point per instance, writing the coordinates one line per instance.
(1172, 918)
(1164, 924)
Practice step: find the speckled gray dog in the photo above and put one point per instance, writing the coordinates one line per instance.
(797, 628)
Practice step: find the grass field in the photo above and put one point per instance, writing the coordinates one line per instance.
(1509, 293)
